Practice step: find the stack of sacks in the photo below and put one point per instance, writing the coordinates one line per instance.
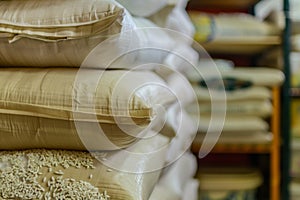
(166, 30)
(70, 133)
(295, 142)
(294, 186)
(295, 149)
(295, 83)
(274, 57)
(236, 101)
(295, 61)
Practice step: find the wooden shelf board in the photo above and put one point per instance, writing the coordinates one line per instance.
(243, 148)
(221, 4)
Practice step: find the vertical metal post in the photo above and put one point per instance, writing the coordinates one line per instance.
(285, 107)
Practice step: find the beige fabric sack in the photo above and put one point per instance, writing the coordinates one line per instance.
(225, 182)
(296, 42)
(219, 95)
(44, 33)
(259, 107)
(258, 76)
(58, 174)
(39, 105)
(230, 123)
(27, 132)
(230, 25)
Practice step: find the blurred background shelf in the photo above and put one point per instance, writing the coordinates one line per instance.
(224, 40)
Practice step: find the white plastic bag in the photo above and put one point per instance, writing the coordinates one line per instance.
(143, 8)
